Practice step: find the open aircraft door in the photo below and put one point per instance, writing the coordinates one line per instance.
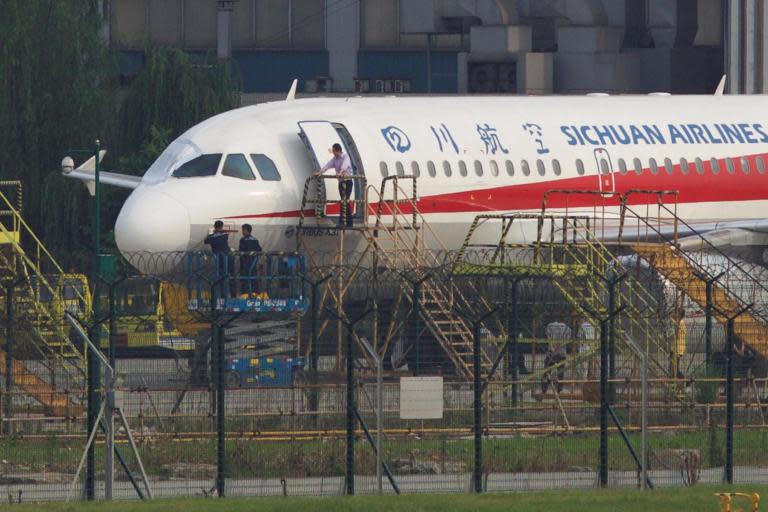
(605, 175)
(319, 137)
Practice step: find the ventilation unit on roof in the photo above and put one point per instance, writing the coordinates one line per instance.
(492, 77)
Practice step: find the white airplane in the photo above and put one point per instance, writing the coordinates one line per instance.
(472, 155)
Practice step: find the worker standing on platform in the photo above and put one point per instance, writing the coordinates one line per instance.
(219, 242)
(249, 248)
(342, 164)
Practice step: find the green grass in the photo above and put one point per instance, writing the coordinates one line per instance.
(274, 459)
(700, 499)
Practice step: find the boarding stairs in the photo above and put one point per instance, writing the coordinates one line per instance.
(397, 233)
(55, 371)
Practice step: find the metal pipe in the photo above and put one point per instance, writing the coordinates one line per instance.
(220, 411)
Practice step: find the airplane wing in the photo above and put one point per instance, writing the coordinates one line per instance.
(86, 173)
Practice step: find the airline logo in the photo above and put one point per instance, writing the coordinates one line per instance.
(652, 134)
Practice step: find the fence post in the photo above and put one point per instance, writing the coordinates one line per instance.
(729, 402)
(708, 310)
(513, 355)
(350, 474)
(603, 453)
(477, 474)
(9, 354)
(220, 411)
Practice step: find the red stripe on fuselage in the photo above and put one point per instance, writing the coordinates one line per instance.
(692, 188)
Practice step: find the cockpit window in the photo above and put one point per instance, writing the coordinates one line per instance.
(204, 165)
(266, 167)
(236, 166)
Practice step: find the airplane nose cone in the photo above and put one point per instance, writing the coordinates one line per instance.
(153, 222)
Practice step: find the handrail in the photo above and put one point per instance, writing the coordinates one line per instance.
(305, 200)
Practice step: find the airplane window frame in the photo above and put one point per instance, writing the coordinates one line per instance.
(431, 169)
(746, 168)
(479, 171)
(730, 166)
(541, 168)
(510, 168)
(623, 166)
(494, 168)
(399, 169)
(525, 167)
(447, 168)
(699, 166)
(208, 172)
(669, 166)
(415, 169)
(638, 164)
(272, 168)
(463, 171)
(244, 160)
(714, 165)
(556, 168)
(653, 165)
(684, 168)
(605, 167)
(760, 164)
(580, 170)
(384, 169)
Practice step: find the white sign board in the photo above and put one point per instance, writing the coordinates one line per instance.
(421, 398)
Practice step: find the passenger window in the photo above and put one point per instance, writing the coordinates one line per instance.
(431, 169)
(580, 166)
(462, 168)
(447, 168)
(526, 168)
(745, 165)
(478, 168)
(494, 168)
(684, 166)
(760, 164)
(638, 166)
(204, 165)
(540, 167)
(384, 170)
(622, 166)
(714, 165)
(266, 167)
(556, 167)
(400, 169)
(668, 166)
(510, 168)
(699, 166)
(654, 166)
(729, 165)
(236, 166)
(604, 167)
(415, 169)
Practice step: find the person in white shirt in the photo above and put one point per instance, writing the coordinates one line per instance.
(343, 167)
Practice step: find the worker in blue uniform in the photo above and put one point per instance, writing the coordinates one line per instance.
(249, 248)
(219, 242)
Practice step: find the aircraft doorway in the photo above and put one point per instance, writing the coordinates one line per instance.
(605, 175)
(319, 137)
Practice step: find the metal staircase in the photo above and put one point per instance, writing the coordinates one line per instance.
(398, 236)
(42, 292)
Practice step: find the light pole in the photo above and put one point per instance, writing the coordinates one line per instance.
(93, 375)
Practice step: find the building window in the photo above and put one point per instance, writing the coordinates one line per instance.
(638, 166)
(556, 167)
(699, 166)
(383, 169)
(745, 168)
(462, 168)
(236, 166)
(714, 165)
(431, 169)
(526, 168)
(494, 168)
(478, 168)
(540, 167)
(622, 166)
(447, 168)
(415, 169)
(729, 165)
(760, 164)
(580, 167)
(654, 166)
(266, 167)
(510, 168)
